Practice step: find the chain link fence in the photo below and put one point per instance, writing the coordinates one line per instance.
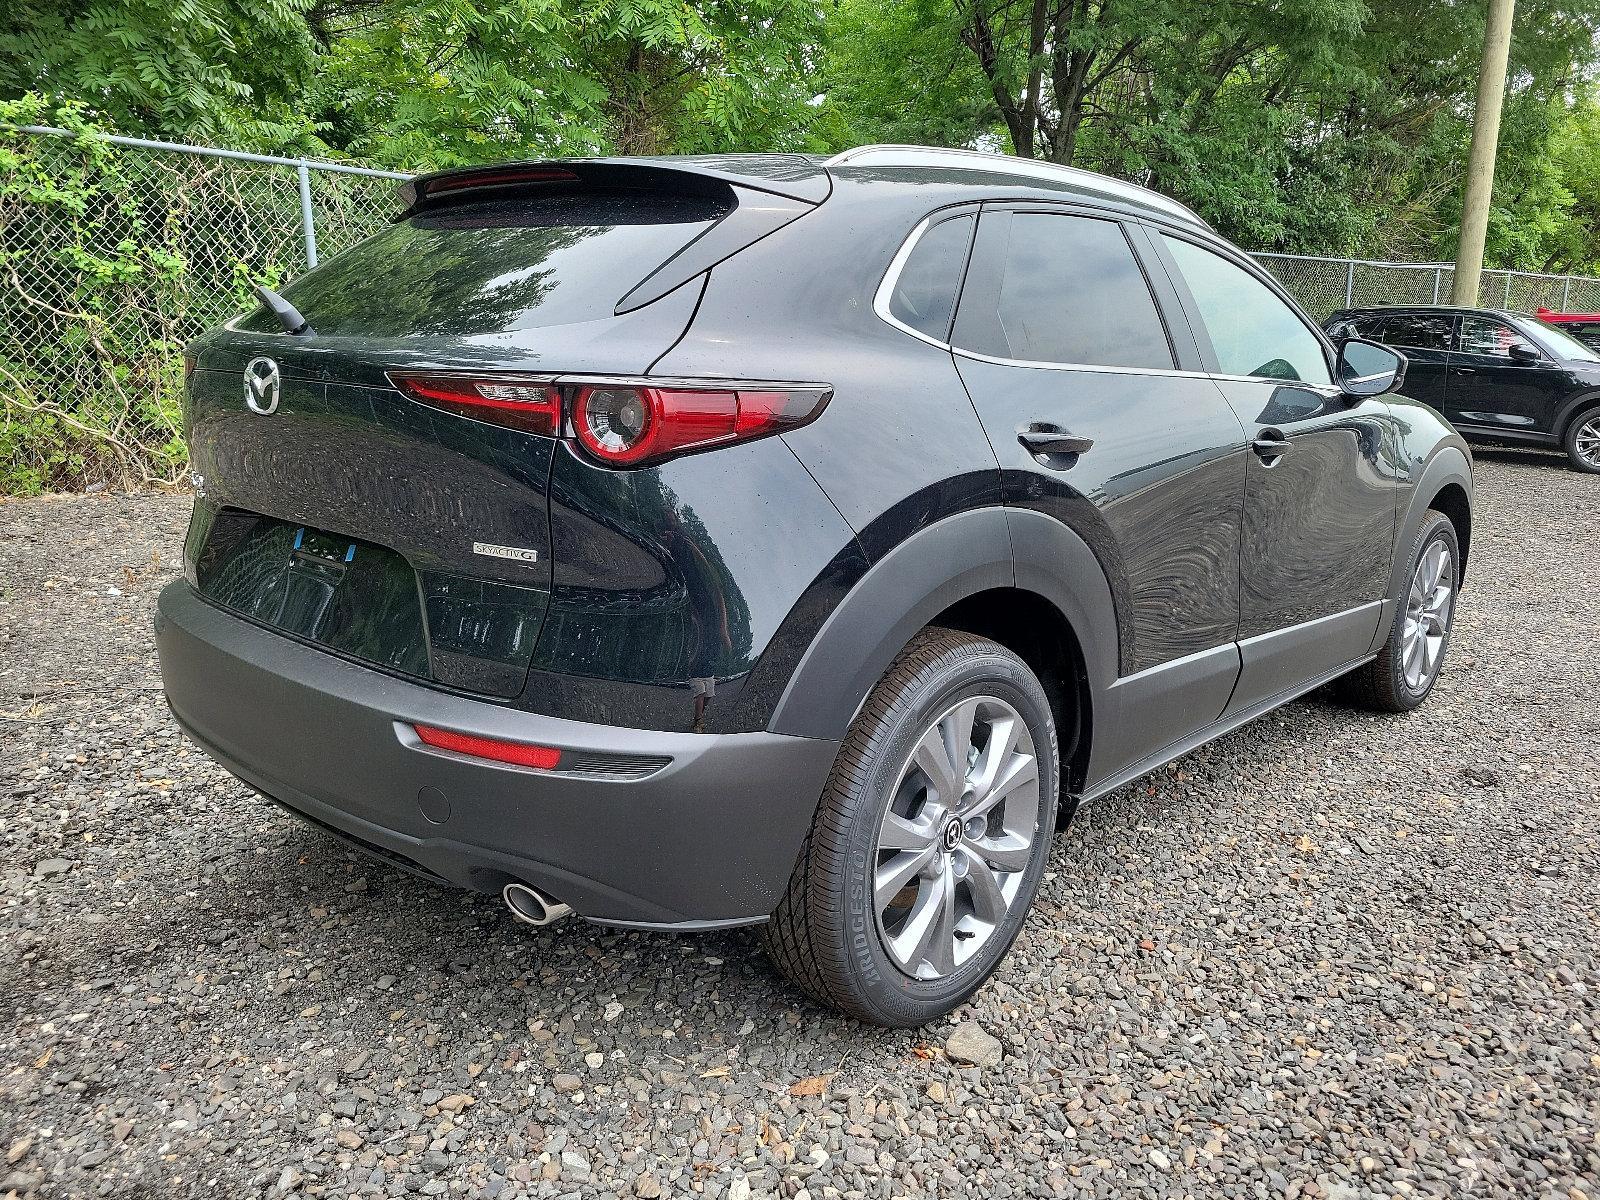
(1325, 285)
(114, 251)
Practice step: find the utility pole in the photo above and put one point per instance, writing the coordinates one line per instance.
(1480, 164)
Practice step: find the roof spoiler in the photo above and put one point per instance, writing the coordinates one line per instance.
(771, 190)
(788, 175)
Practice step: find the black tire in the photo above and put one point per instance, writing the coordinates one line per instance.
(825, 934)
(1586, 424)
(1381, 684)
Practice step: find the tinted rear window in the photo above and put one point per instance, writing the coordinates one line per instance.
(495, 266)
(1071, 291)
(1416, 331)
(925, 294)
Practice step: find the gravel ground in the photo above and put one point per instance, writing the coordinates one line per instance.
(1331, 955)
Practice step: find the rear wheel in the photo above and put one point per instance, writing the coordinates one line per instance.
(931, 838)
(1582, 442)
(1408, 666)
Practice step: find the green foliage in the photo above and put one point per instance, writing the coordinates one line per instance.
(436, 82)
(227, 73)
(109, 259)
(119, 411)
(1318, 126)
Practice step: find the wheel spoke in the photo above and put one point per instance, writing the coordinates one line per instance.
(1432, 648)
(1413, 661)
(955, 727)
(897, 872)
(1439, 600)
(1020, 770)
(988, 901)
(898, 833)
(933, 760)
(942, 946)
(1009, 852)
(915, 940)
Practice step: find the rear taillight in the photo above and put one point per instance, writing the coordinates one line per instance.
(531, 405)
(630, 425)
(624, 422)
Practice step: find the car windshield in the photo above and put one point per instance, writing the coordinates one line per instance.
(1561, 343)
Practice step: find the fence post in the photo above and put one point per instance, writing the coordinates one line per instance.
(1438, 281)
(307, 223)
(1566, 294)
(1350, 283)
(1505, 301)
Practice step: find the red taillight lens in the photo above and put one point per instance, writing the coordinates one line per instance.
(628, 426)
(542, 758)
(529, 405)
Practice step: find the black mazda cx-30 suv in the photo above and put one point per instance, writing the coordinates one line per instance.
(700, 542)
(1498, 376)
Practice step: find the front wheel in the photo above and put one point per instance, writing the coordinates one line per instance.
(1582, 442)
(931, 838)
(1408, 666)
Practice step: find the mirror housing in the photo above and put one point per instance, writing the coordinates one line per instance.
(1523, 353)
(1368, 369)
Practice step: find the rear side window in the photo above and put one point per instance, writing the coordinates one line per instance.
(1416, 331)
(924, 296)
(1253, 332)
(1070, 291)
(492, 266)
(1481, 335)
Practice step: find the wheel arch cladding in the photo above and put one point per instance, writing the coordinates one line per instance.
(1572, 409)
(1453, 501)
(1446, 480)
(934, 573)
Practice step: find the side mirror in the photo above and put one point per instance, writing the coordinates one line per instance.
(1521, 352)
(1368, 369)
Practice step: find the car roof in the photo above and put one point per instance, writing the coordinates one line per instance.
(810, 178)
(1030, 175)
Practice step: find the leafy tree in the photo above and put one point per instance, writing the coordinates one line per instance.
(199, 70)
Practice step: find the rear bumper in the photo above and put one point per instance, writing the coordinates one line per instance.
(707, 840)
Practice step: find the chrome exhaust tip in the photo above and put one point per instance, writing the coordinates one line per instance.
(531, 905)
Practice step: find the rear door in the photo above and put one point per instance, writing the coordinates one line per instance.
(392, 527)
(1321, 490)
(1424, 338)
(1100, 418)
(1491, 390)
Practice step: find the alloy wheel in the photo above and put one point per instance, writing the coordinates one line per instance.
(1427, 619)
(1587, 442)
(957, 837)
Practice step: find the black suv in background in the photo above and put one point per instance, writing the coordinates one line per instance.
(1498, 376)
(736, 540)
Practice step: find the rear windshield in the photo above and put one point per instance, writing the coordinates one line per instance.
(494, 266)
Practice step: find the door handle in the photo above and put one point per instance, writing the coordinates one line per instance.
(1466, 370)
(1042, 438)
(1270, 445)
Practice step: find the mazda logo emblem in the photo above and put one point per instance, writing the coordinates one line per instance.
(261, 386)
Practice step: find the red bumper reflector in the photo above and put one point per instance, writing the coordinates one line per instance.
(520, 754)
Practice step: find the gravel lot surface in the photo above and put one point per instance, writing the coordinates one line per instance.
(1331, 955)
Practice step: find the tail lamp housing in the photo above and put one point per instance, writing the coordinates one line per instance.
(623, 422)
